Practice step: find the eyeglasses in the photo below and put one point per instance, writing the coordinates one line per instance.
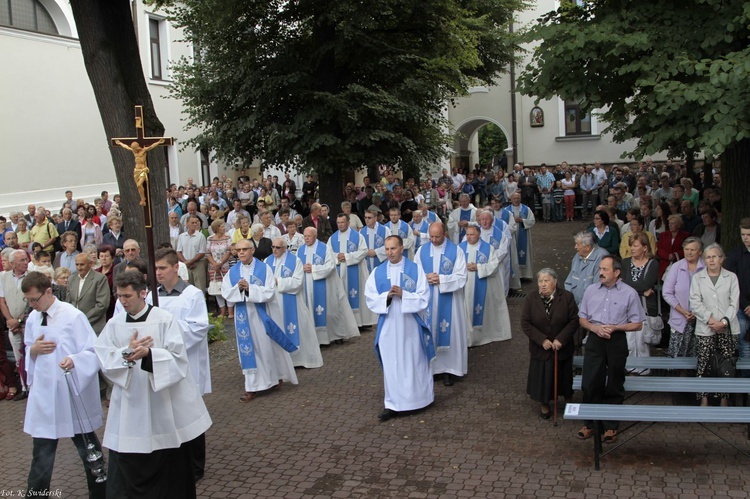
(277, 247)
(130, 249)
(35, 300)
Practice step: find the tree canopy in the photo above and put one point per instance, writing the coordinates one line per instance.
(325, 86)
(670, 75)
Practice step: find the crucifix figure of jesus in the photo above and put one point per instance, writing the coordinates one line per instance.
(140, 146)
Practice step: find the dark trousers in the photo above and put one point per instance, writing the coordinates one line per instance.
(603, 379)
(197, 448)
(161, 474)
(43, 461)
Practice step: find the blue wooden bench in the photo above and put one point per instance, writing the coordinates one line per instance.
(654, 414)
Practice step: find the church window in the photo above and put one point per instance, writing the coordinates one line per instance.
(30, 15)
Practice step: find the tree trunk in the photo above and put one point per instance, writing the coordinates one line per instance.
(331, 189)
(110, 54)
(735, 202)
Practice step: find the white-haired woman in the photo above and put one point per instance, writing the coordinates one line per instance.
(714, 299)
(549, 318)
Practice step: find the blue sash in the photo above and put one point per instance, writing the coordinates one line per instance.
(522, 238)
(408, 283)
(480, 285)
(245, 346)
(379, 241)
(432, 217)
(423, 228)
(445, 300)
(352, 273)
(463, 215)
(288, 300)
(403, 231)
(319, 286)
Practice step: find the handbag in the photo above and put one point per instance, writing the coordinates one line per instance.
(652, 326)
(214, 287)
(720, 366)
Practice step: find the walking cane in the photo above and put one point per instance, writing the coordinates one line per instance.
(554, 403)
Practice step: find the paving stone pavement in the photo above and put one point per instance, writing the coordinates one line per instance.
(481, 438)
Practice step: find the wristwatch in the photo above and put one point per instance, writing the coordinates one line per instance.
(725, 322)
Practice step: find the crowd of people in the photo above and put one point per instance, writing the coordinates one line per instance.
(650, 255)
(435, 259)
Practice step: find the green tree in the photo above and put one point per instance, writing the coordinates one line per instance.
(492, 142)
(671, 74)
(326, 86)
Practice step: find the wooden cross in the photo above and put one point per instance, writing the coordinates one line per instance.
(140, 145)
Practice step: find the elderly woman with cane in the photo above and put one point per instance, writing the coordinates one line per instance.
(549, 319)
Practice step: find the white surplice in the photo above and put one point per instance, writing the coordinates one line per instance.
(155, 410)
(192, 315)
(340, 321)
(308, 354)
(355, 261)
(407, 375)
(496, 321)
(49, 412)
(454, 360)
(273, 363)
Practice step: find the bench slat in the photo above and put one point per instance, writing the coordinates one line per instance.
(683, 385)
(662, 363)
(657, 413)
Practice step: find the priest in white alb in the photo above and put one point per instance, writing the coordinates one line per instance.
(398, 227)
(156, 409)
(374, 234)
(489, 319)
(324, 293)
(350, 250)
(290, 294)
(460, 218)
(444, 266)
(496, 232)
(262, 345)
(398, 292)
(524, 217)
(58, 337)
(420, 227)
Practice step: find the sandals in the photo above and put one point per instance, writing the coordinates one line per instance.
(609, 437)
(585, 433)
(247, 397)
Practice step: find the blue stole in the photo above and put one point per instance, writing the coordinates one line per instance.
(432, 217)
(408, 283)
(463, 215)
(497, 233)
(287, 299)
(445, 300)
(480, 285)
(319, 286)
(245, 345)
(523, 237)
(403, 231)
(352, 274)
(379, 239)
(422, 228)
